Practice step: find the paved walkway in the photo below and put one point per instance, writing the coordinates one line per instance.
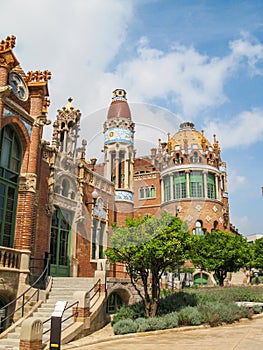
(246, 335)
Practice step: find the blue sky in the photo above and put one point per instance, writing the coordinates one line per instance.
(199, 61)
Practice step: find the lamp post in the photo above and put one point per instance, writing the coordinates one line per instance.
(95, 196)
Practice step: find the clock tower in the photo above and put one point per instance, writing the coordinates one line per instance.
(119, 154)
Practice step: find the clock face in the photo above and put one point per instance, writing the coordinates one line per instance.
(18, 86)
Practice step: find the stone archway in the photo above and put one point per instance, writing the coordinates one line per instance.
(203, 278)
(118, 295)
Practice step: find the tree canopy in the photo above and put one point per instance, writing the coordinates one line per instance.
(148, 246)
(220, 252)
(257, 253)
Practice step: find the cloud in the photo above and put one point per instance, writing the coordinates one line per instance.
(243, 130)
(151, 124)
(235, 181)
(85, 44)
(242, 223)
(191, 80)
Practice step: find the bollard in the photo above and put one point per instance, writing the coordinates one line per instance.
(56, 318)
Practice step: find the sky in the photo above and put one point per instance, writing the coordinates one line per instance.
(178, 60)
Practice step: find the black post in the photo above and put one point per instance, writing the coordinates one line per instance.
(56, 320)
(55, 332)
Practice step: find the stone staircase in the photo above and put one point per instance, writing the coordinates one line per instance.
(62, 290)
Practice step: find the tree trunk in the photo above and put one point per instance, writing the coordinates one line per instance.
(155, 292)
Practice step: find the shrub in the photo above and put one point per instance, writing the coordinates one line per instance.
(125, 326)
(256, 309)
(150, 324)
(216, 313)
(171, 320)
(260, 280)
(129, 312)
(175, 302)
(190, 316)
(123, 313)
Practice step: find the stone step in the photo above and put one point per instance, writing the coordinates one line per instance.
(62, 289)
(11, 342)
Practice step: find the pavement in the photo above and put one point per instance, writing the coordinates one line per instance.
(242, 335)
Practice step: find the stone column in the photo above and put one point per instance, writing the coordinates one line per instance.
(31, 334)
(217, 187)
(81, 312)
(171, 187)
(117, 165)
(126, 169)
(187, 172)
(205, 183)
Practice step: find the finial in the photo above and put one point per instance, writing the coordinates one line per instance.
(38, 76)
(214, 139)
(8, 43)
(69, 105)
(169, 144)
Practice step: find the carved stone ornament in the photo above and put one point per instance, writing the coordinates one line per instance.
(41, 120)
(5, 91)
(28, 182)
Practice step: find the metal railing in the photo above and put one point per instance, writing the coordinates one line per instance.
(24, 298)
(75, 314)
(97, 289)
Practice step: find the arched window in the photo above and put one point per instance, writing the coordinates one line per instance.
(215, 225)
(195, 158)
(141, 192)
(198, 230)
(10, 163)
(65, 188)
(153, 192)
(147, 192)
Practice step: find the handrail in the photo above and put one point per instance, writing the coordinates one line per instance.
(98, 283)
(65, 319)
(23, 296)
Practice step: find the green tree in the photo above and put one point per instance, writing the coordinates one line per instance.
(257, 251)
(148, 246)
(220, 252)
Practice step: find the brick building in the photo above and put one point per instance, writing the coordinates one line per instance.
(55, 203)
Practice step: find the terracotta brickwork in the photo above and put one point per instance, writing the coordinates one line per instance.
(207, 211)
(123, 210)
(30, 345)
(56, 175)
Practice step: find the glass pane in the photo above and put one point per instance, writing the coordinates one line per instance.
(63, 249)
(102, 229)
(55, 219)
(2, 189)
(53, 245)
(6, 153)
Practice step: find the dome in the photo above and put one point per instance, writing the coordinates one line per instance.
(119, 107)
(187, 133)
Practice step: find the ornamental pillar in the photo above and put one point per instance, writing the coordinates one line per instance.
(205, 184)
(171, 187)
(218, 196)
(187, 173)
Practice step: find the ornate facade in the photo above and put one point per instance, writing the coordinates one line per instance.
(47, 209)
